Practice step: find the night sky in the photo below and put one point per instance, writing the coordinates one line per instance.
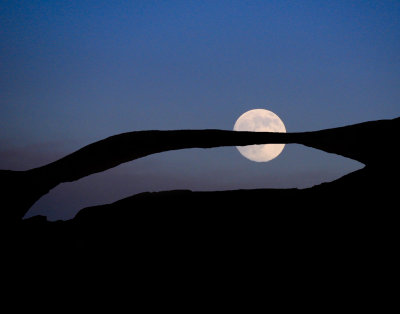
(74, 72)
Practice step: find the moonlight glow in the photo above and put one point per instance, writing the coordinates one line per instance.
(260, 120)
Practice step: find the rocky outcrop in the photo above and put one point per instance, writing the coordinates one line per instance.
(339, 237)
(372, 143)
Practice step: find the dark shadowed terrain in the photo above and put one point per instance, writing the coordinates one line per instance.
(347, 227)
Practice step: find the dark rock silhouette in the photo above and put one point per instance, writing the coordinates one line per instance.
(352, 216)
(370, 143)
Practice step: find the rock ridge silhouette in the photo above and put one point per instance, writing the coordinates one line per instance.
(21, 189)
(356, 203)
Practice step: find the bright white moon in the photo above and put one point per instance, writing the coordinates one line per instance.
(260, 120)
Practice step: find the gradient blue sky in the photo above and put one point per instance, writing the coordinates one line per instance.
(74, 72)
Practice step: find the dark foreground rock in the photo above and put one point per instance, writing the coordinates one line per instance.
(372, 143)
(337, 238)
(347, 215)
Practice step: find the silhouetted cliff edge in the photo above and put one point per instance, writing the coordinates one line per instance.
(362, 202)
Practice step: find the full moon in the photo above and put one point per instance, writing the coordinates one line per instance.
(260, 120)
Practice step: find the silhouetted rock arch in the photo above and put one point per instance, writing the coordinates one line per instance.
(21, 189)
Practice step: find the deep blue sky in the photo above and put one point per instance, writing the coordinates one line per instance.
(73, 72)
